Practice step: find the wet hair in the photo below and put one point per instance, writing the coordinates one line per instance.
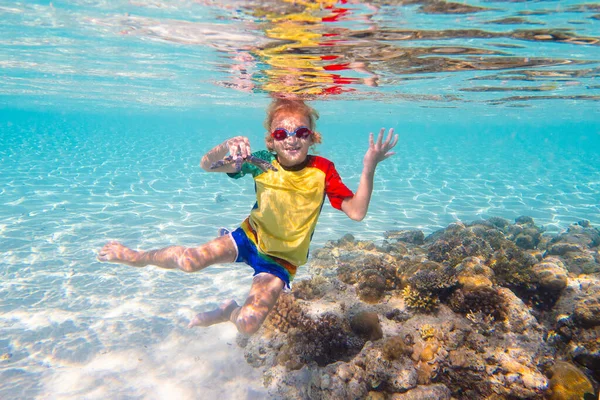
(292, 106)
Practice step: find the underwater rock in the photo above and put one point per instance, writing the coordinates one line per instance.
(516, 370)
(351, 256)
(578, 248)
(587, 310)
(366, 324)
(312, 382)
(560, 249)
(512, 266)
(397, 375)
(519, 318)
(310, 289)
(525, 234)
(466, 359)
(373, 282)
(574, 323)
(433, 281)
(473, 274)
(407, 236)
(584, 262)
(426, 392)
(499, 222)
(397, 315)
(456, 244)
(550, 274)
(569, 383)
(485, 300)
(581, 234)
(347, 274)
(585, 351)
(396, 347)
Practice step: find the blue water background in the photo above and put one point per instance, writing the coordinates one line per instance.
(70, 182)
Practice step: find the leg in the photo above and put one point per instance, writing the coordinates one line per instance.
(264, 293)
(219, 250)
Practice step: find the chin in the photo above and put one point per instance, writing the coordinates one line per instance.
(292, 161)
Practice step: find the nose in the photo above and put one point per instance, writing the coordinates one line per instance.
(291, 139)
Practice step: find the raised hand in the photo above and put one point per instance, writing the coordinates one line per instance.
(379, 149)
(239, 147)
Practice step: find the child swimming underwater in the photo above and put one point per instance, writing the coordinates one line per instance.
(275, 238)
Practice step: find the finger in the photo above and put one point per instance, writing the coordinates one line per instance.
(380, 136)
(393, 142)
(243, 150)
(389, 135)
(248, 149)
(371, 141)
(234, 150)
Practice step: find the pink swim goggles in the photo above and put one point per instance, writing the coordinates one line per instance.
(301, 132)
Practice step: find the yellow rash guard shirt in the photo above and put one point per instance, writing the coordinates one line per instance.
(288, 204)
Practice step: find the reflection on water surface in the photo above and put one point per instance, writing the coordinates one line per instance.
(381, 50)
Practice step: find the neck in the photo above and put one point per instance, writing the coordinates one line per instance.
(296, 167)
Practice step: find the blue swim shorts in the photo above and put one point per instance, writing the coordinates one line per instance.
(245, 240)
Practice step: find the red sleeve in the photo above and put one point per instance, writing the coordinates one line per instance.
(335, 189)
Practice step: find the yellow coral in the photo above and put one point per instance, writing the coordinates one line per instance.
(427, 332)
(419, 301)
(428, 352)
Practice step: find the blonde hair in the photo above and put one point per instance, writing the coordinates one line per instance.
(295, 106)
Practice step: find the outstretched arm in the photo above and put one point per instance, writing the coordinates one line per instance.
(238, 146)
(356, 207)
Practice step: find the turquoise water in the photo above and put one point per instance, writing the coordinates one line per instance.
(107, 107)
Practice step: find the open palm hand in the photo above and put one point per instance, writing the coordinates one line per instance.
(379, 149)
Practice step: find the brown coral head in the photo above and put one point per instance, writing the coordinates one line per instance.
(371, 286)
(366, 324)
(395, 347)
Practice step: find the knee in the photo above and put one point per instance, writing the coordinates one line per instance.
(249, 329)
(248, 323)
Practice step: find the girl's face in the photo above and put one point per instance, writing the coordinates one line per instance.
(292, 150)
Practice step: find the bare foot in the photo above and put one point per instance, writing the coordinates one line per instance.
(216, 316)
(117, 253)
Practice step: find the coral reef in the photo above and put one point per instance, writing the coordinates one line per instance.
(569, 383)
(310, 289)
(407, 236)
(456, 243)
(367, 324)
(374, 281)
(490, 309)
(420, 301)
